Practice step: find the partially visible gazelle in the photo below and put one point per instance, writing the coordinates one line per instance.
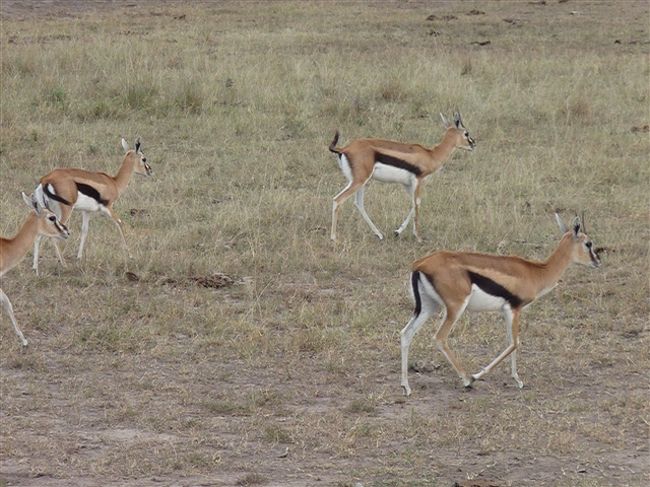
(459, 281)
(63, 190)
(39, 222)
(394, 162)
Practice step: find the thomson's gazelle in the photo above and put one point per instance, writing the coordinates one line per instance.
(394, 162)
(459, 281)
(39, 222)
(64, 189)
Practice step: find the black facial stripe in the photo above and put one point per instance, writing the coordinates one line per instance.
(396, 162)
(489, 286)
(91, 193)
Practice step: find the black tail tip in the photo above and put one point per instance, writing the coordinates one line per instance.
(332, 146)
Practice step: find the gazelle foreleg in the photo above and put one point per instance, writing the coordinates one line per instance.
(119, 224)
(358, 202)
(513, 319)
(85, 218)
(6, 304)
(412, 190)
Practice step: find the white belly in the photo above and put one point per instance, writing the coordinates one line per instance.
(392, 174)
(481, 301)
(86, 203)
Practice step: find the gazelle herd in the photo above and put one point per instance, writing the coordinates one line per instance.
(444, 281)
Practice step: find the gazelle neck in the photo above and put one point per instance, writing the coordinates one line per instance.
(14, 249)
(551, 270)
(441, 152)
(123, 176)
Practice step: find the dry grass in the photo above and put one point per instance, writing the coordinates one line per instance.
(288, 374)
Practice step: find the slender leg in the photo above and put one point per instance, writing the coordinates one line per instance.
(507, 316)
(514, 343)
(429, 308)
(411, 191)
(118, 222)
(6, 304)
(339, 199)
(416, 208)
(358, 202)
(85, 218)
(59, 255)
(454, 312)
(37, 245)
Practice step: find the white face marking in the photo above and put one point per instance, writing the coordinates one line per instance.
(345, 167)
(391, 174)
(481, 301)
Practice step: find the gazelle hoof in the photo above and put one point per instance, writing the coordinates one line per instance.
(406, 390)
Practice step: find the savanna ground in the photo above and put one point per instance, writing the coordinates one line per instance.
(138, 374)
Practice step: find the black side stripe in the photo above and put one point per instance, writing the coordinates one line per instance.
(54, 196)
(91, 193)
(397, 162)
(489, 286)
(415, 277)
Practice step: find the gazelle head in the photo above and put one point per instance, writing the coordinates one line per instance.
(141, 166)
(583, 251)
(49, 224)
(459, 133)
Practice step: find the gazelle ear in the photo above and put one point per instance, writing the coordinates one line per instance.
(31, 202)
(137, 144)
(576, 226)
(560, 224)
(444, 121)
(458, 121)
(125, 145)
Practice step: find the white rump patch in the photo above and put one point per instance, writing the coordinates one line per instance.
(344, 164)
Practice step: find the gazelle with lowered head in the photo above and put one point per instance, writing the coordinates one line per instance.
(39, 222)
(63, 190)
(394, 162)
(459, 281)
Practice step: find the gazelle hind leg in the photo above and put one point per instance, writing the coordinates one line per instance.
(6, 304)
(339, 199)
(358, 202)
(429, 308)
(514, 343)
(452, 314)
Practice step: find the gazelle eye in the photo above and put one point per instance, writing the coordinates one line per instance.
(51, 218)
(588, 244)
(144, 159)
(466, 133)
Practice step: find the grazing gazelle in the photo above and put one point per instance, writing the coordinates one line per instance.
(456, 281)
(394, 162)
(40, 221)
(65, 189)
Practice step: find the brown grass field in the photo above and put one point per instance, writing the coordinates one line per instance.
(151, 372)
